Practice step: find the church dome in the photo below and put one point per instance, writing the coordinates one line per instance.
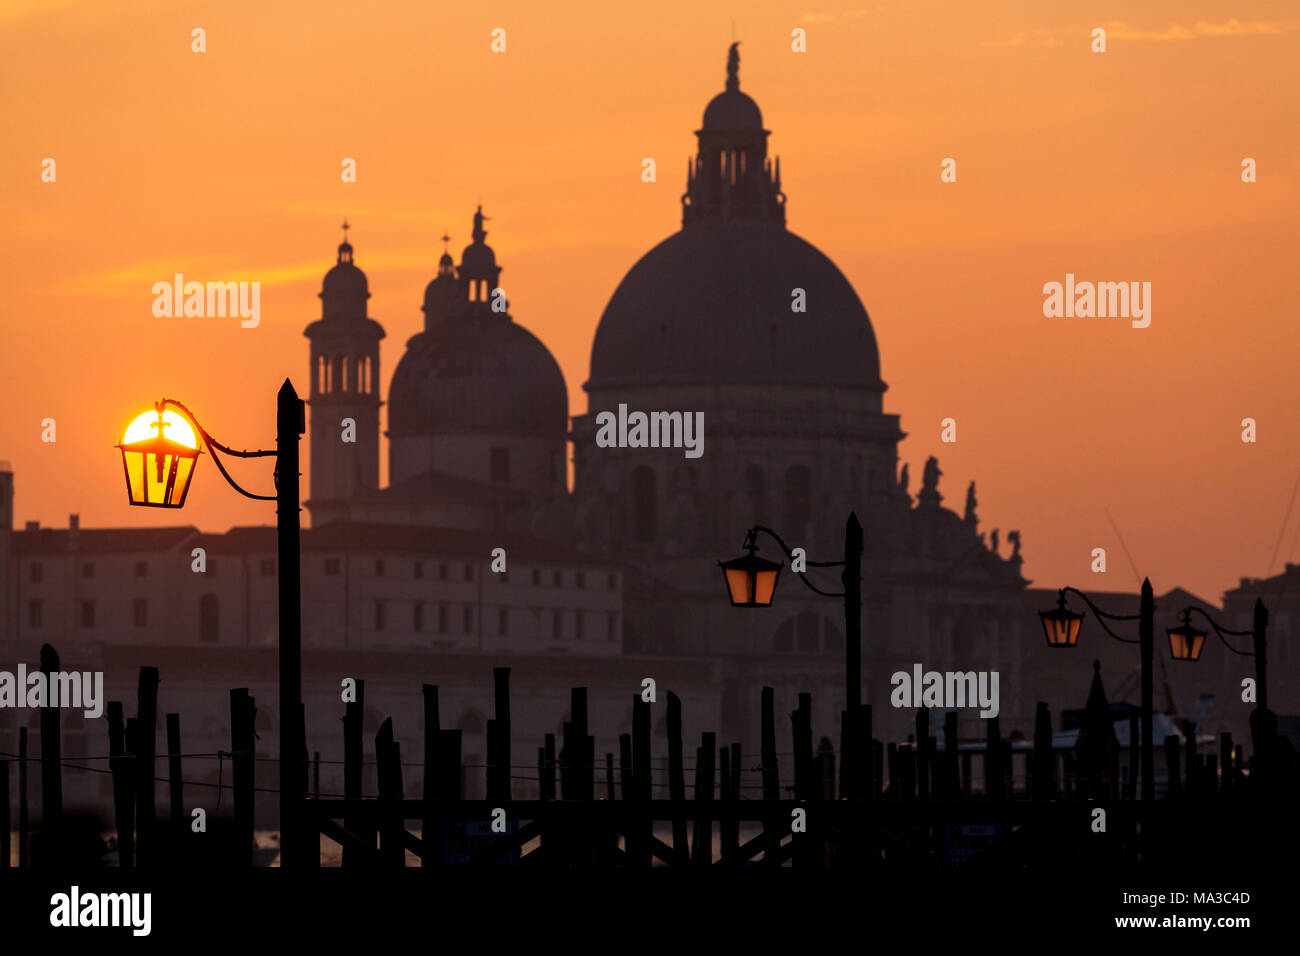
(712, 304)
(344, 290)
(732, 111)
(476, 374)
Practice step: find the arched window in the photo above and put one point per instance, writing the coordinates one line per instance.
(322, 374)
(644, 504)
(797, 504)
(336, 373)
(755, 493)
(209, 619)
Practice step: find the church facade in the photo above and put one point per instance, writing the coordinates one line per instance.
(796, 436)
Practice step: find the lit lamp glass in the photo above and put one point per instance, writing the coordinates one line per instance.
(751, 580)
(1185, 642)
(159, 452)
(1061, 626)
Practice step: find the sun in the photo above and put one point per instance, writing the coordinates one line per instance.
(175, 427)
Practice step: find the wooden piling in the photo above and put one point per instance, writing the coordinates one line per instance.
(4, 815)
(146, 811)
(353, 768)
(702, 854)
(175, 793)
(1225, 762)
(547, 774)
(676, 772)
(501, 685)
(51, 764)
(923, 753)
(241, 745)
(388, 773)
(120, 766)
(24, 833)
(430, 825)
(625, 765)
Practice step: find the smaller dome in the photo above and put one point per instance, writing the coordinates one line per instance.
(477, 259)
(731, 111)
(345, 280)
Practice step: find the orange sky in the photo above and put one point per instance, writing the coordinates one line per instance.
(1116, 166)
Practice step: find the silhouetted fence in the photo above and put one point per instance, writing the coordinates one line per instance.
(907, 804)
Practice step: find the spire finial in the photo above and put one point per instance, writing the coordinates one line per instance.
(733, 67)
(445, 239)
(345, 247)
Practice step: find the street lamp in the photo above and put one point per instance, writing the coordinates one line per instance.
(751, 582)
(160, 452)
(1187, 642)
(159, 464)
(1062, 626)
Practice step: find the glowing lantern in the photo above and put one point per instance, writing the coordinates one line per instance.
(159, 452)
(751, 580)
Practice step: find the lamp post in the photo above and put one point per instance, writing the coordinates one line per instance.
(751, 582)
(159, 458)
(1061, 627)
(1187, 642)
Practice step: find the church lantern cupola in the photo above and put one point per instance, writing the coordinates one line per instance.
(731, 177)
(344, 396)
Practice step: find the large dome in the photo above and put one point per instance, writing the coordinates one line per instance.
(478, 374)
(712, 305)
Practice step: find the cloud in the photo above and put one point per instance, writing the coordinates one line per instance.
(1021, 37)
(846, 15)
(1119, 30)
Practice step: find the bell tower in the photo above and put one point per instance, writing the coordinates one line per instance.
(344, 396)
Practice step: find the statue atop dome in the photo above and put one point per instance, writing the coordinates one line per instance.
(479, 233)
(733, 67)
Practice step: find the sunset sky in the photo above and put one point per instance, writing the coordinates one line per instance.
(1125, 165)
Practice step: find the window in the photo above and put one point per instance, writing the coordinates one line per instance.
(88, 569)
(557, 624)
(141, 569)
(500, 464)
(467, 620)
(267, 567)
(577, 624)
(379, 567)
(579, 579)
(443, 572)
(644, 503)
(37, 572)
(442, 619)
(469, 572)
(537, 578)
(419, 569)
(558, 579)
(140, 612)
(503, 620)
(379, 615)
(34, 609)
(209, 619)
(331, 565)
(88, 612)
(613, 627)
(419, 617)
